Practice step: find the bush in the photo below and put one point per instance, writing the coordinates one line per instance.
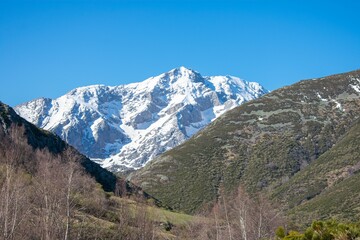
(323, 230)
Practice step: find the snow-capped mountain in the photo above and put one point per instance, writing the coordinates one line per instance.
(126, 126)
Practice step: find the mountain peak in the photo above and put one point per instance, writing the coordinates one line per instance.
(183, 73)
(183, 70)
(129, 125)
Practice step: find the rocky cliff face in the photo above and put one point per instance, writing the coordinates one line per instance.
(126, 126)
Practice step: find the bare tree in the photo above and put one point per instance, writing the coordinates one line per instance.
(13, 185)
(239, 216)
(227, 218)
(49, 196)
(216, 218)
(13, 201)
(242, 206)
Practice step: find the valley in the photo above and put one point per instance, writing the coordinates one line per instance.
(286, 158)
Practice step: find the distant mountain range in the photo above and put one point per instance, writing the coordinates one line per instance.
(299, 145)
(123, 127)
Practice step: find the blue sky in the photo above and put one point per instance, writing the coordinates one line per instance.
(50, 47)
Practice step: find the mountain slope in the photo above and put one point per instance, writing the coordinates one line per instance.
(125, 126)
(261, 144)
(328, 187)
(40, 139)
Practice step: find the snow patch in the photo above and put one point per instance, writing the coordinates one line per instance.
(322, 99)
(355, 87)
(338, 105)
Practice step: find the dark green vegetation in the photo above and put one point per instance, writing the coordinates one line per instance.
(330, 186)
(298, 144)
(323, 230)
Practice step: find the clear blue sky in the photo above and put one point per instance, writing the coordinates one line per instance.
(50, 47)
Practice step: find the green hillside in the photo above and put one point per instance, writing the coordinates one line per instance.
(330, 186)
(264, 144)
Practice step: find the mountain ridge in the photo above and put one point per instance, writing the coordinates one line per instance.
(125, 126)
